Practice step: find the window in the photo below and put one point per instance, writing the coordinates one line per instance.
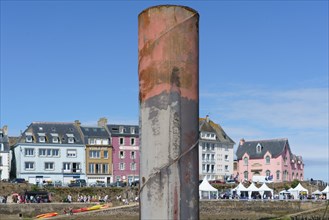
(121, 166)
(28, 137)
(267, 159)
(105, 168)
(121, 129)
(259, 148)
(94, 154)
(133, 166)
(226, 168)
(42, 139)
(91, 168)
(1, 161)
(55, 139)
(245, 175)
(268, 173)
(133, 155)
(213, 158)
(66, 167)
(278, 174)
(203, 167)
(2, 148)
(55, 152)
(132, 141)
(226, 157)
(226, 148)
(98, 168)
(29, 152)
(49, 152)
(203, 156)
(91, 141)
(121, 154)
(49, 166)
(132, 130)
(106, 154)
(42, 152)
(212, 146)
(70, 140)
(71, 153)
(29, 165)
(121, 141)
(245, 160)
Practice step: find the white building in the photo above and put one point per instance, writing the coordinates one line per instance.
(50, 152)
(215, 151)
(4, 154)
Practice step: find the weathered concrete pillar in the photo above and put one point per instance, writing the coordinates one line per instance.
(168, 55)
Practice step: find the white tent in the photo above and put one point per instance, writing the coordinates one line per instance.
(326, 192)
(316, 192)
(206, 190)
(252, 188)
(263, 189)
(300, 188)
(240, 188)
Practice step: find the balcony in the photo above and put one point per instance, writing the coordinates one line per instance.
(71, 171)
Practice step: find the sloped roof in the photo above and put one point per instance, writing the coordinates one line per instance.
(300, 188)
(205, 186)
(240, 187)
(62, 129)
(94, 132)
(326, 190)
(264, 187)
(210, 126)
(253, 188)
(274, 146)
(115, 130)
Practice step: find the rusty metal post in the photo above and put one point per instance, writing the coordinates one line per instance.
(168, 69)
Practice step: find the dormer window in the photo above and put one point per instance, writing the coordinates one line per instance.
(70, 138)
(28, 137)
(132, 130)
(121, 129)
(54, 137)
(42, 137)
(259, 148)
(40, 128)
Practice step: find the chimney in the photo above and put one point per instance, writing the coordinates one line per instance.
(77, 122)
(102, 122)
(242, 141)
(5, 130)
(207, 118)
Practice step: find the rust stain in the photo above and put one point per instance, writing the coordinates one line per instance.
(168, 39)
(176, 204)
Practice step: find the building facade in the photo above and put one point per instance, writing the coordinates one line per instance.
(50, 152)
(215, 151)
(98, 155)
(125, 142)
(4, 154)
(271, 158)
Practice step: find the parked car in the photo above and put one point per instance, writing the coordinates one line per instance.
(134, 183)
(118, 184)
(98, 184)
(18, 180)
(78, 183)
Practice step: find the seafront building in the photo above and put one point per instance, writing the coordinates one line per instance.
(215, 151)
(125, 156)
(4, 154)
(48, 151)
(271, 158)
(98, 155)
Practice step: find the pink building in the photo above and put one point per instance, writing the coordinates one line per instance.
(270, 158)
(125, 155)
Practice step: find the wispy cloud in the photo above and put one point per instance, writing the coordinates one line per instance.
(301, 115)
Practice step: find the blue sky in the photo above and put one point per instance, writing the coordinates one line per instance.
(263, 67)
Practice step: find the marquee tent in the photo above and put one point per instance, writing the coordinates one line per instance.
(252, 188)
(264, 189)
(316, 192)
(299, 189)
(326, 192)
(240, 188)
(207, 191)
